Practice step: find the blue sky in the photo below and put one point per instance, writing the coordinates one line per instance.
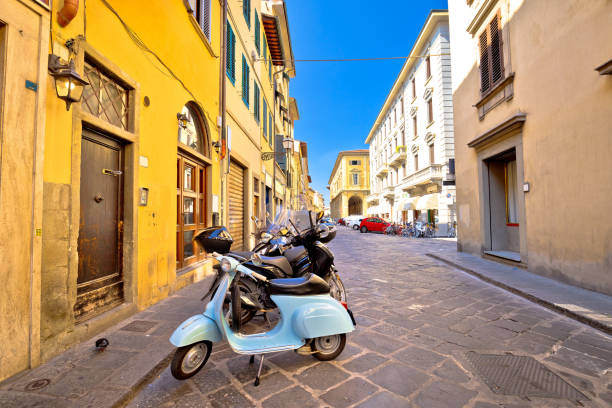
(339, 101)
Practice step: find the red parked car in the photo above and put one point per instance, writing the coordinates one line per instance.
(373, 224)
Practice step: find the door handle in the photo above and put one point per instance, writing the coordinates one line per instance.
(98, 198)
(110, 172)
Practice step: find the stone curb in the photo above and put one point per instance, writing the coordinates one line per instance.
(125, 398)
(596, 324)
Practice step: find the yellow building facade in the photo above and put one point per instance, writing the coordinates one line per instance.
(116, 184)
(349, 183)
(259, 65)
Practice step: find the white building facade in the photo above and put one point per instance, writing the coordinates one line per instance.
(411, 142)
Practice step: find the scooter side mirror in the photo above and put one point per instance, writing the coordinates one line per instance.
(256, 259)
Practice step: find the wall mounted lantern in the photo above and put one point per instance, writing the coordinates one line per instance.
(216, 146)
(288, 143)
(68, 83)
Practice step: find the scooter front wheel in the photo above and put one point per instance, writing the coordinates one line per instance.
(328, 347)
(188, 360)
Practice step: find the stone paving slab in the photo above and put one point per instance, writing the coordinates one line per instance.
(85, 377)
(583, 305)
(417, 320)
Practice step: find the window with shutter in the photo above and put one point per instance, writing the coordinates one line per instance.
(497, 66)
(414, 125)
(428, 67)
(484, 63)
(245, 81)
(230, 57)
(491, 55)
(429, 111)
(265, 47)
(256, 101)
(246, 11)
(413, 88)
(265, 119)
(203, 16)
(257, 46)
(270, 129)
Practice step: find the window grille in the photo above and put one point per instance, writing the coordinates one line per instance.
(105, 98)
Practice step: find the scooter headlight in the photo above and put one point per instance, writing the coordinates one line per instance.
(226, 265)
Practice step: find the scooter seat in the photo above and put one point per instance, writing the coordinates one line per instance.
(280, 262)
(294, 254)
(306, 285)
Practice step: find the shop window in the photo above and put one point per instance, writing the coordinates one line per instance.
(105, 97)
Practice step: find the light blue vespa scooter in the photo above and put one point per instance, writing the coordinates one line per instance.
(311, 321)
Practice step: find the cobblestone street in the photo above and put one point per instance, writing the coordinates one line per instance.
(425, 333)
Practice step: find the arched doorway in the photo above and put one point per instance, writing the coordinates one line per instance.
(355, 206)
(193, 168)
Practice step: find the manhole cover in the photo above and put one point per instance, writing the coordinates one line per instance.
(140, 326)
(37, 384)
(521, 375)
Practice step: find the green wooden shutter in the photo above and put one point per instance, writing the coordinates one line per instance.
(230, 56)
(265, 47)
(256, 101)
(245, 81)
(265, 119)
(257, 46)
(246, 10)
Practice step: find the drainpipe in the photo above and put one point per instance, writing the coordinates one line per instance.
(222, 107)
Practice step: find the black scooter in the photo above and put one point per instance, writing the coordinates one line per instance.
(293, 256)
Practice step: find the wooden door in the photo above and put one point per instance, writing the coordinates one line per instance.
(100, 280)
(191, 209)
(236, 205)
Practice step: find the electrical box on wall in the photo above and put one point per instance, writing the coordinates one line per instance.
(144, 196)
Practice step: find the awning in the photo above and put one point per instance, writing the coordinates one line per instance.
(408, 204)
(426, 202)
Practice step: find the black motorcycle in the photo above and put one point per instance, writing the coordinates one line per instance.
(295, 250)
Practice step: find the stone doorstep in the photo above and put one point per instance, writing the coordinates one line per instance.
(580, 317)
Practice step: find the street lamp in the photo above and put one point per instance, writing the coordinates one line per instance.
(288, 143)
(68, 83)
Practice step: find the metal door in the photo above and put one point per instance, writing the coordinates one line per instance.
(100, 280)
(236, 205)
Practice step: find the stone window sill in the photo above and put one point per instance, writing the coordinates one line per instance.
(501, 92)
(429, 124)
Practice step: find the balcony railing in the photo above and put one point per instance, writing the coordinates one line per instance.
(382, 170)
(431, 174)
(398, 157)
(389, 192)
(372, 198)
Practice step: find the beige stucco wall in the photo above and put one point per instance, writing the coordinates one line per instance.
(566, 141)
(24, 29)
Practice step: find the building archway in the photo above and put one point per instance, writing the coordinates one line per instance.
(355, 206)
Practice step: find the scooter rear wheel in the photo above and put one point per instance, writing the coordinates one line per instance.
(188, 360)
(328, 347)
